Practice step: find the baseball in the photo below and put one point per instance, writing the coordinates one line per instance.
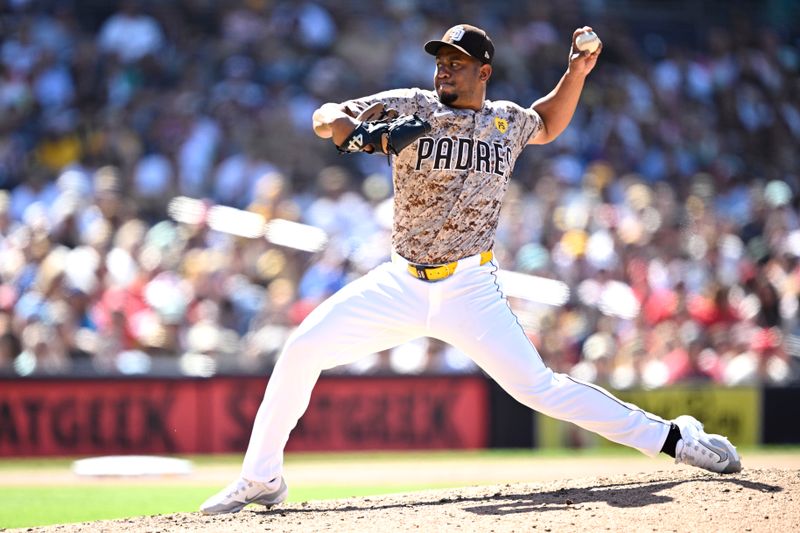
(588, 41)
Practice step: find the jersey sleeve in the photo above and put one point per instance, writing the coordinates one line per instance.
(531, 124)
(525, 122)
(405, 101)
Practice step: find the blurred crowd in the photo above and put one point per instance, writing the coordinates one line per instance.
(669, 207)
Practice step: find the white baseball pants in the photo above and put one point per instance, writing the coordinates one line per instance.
(388, 307)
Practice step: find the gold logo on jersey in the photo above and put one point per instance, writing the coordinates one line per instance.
(501, 124)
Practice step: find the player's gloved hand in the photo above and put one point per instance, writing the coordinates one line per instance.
(383, 130)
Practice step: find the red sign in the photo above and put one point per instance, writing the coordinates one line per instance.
(92, 417)
(77, 417)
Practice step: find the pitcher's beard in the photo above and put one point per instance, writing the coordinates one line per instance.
(448, 98)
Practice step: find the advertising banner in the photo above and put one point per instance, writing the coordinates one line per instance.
(173, 416)
(363, 413)
(77, 417)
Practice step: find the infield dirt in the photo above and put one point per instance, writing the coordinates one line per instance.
(688, 500)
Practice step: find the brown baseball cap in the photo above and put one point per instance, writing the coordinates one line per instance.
(469, 39)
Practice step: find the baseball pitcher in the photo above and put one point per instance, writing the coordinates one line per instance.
(452, 152)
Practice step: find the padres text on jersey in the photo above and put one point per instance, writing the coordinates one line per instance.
(449, 185)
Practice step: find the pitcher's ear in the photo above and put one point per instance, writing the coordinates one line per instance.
(485, 72)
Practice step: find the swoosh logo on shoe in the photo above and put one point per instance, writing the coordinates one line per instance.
(442, 113)
(721, 452)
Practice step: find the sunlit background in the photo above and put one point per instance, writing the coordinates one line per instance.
(166, 210)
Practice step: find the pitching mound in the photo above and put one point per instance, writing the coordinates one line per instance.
(675, 500)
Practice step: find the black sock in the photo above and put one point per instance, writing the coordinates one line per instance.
(673, 437)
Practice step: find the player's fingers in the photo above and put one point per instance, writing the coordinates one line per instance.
(579, 31)
(593, 55)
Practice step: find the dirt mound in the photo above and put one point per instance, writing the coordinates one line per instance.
(675, 500)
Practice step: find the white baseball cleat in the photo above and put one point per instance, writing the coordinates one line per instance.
(697, 448)
(242, 492)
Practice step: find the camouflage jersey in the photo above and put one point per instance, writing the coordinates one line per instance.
(449, 184)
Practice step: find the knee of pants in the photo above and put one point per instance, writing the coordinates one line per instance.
(305, 349)
(534, 390)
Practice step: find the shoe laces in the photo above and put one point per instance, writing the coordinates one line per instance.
(689, 427)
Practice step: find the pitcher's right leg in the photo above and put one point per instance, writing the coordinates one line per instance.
(367, 316)
(371, 314)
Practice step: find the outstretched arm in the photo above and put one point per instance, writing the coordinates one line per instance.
(557, 108)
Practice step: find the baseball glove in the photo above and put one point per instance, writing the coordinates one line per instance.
(383, 131)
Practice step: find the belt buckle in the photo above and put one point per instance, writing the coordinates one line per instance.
(421, 271)
(429, 272)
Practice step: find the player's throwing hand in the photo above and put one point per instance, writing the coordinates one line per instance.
(583, 61)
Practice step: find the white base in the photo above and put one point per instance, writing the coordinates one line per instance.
(131, 465)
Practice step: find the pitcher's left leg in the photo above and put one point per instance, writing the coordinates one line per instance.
(478, 321)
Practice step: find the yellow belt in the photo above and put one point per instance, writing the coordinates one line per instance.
(440, 272)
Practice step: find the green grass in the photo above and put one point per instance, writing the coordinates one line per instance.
(40, 506)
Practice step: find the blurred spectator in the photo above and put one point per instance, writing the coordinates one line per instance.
(42, 352)
(130, 34)
(668, 209)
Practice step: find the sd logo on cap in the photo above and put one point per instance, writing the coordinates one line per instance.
(469, 39)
